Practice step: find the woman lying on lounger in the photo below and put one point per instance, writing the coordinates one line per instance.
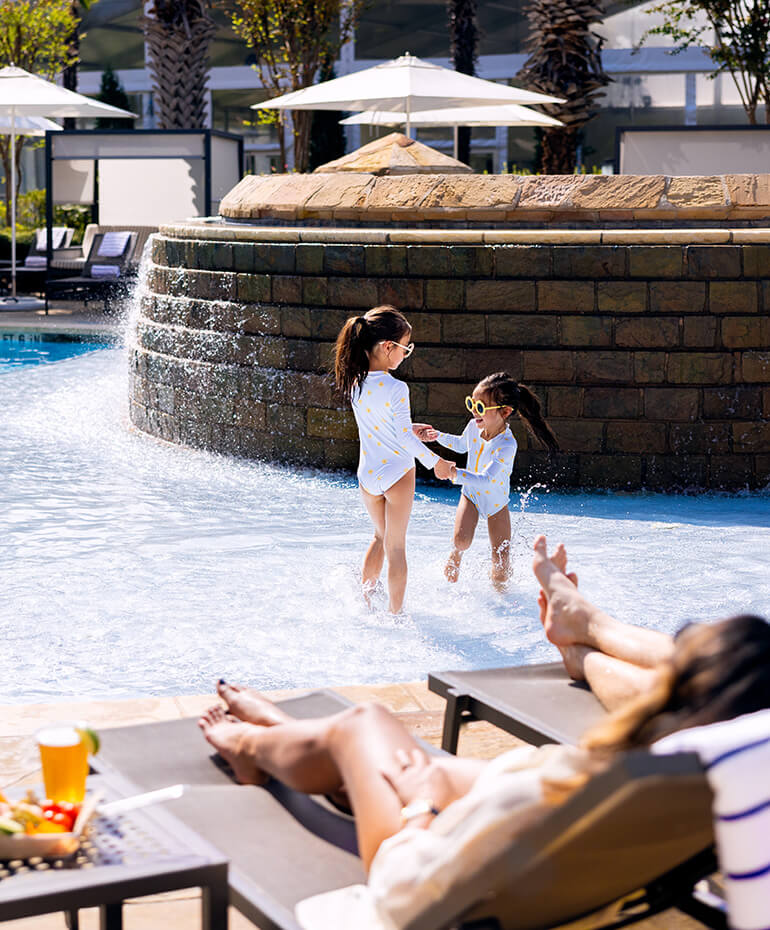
(422, 820)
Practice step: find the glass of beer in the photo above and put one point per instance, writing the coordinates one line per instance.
(64, 755)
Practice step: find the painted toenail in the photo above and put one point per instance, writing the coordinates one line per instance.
(222, 681)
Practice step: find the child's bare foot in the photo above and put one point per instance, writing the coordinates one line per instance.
(226, 735)
(250, 706)
(452, 567)
(564, 611)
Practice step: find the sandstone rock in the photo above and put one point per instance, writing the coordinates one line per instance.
(617, 192)
(395, 154)
(696, 193)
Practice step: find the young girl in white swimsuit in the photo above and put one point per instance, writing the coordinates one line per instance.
(368, 348)
(486, 480)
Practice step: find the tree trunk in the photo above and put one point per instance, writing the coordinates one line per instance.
(302, 121)
(559, 151)
(464, 33)
(70, 73)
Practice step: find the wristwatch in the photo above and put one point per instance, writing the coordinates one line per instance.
(417, 808)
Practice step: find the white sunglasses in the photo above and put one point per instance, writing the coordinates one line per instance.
(408, 349)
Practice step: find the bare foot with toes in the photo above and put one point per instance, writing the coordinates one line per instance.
(564, 611)
(226, 735)
(250, 706)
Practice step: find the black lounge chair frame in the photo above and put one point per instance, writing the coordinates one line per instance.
(85, 287)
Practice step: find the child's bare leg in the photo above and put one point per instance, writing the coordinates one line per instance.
(375, 554)
(572, 620)
(499, 527)
(466, 519)
(398, 508)
(356, 748)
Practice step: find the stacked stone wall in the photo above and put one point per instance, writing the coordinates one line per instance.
(651, 358)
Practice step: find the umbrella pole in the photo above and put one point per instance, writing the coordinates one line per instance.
(408, 121)
(456, 136)
(13, 204)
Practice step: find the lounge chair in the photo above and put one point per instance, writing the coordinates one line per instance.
(643, 829)
(106, 272)
(31, 273)
(538, 703)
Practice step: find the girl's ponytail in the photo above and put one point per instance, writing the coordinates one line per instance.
(357, 338)
(507, 392)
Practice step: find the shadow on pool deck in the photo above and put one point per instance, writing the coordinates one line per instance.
(64, 317)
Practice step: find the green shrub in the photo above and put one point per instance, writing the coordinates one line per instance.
(30, 215)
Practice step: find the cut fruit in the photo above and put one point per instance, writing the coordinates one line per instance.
(89, 737)
(8, 826)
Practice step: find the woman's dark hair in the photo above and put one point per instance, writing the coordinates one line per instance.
(717, 671)
(358, 337)
(504, 390)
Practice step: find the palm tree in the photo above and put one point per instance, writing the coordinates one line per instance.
(178, 34)
(565, 61)
(70, 73)
(464, 37)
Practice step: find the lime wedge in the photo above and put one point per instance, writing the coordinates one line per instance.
(89, 737)
(9, 826)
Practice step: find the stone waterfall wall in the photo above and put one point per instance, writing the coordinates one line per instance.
(650, 350)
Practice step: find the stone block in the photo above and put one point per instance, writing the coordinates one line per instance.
(327, 323)
(262, 321)
(160, 250)
(275, 258)
(696, 438)
(384, 260)
(579, 331)
(745, 332)
(749, 190)
(696, 195)
(561, 296)
(287, 289)
(612, 403)
(438, 363)
(243, 257)
(751, 437)
(564, 402)
(547, 191)
(271, 353)
(578, 435)
(523, 261)
(732, 403)
(713, 261)
(522, 330)
(647, 333)
(667, 403)
(548, 366)
(733, 297)
(248, 413)
(331, 424)
(766, 402)
(444, 295)
(285, 420)
(765, 291)
(700, 332)
(309, 258)
(298, 450)
(482, 362)
(462, 192)
(344, 259)
(507, 296)
(589, 261)
(655, 261)
(301, 355)
(403, 293)
(700, 368)
(253, 288)
(428, 260)
(677, 297)
(360, 293)
(617, 192)
(254, 444)
(731, 472)
(610, 471)
(222, 256)
(339, 453)
(633, 436)
(756, 261)
(464, 328)
(315, 291)
(622, 296)
(602, 367)
(339, 192)
(294, 321)
(449, 397)
(675, 472)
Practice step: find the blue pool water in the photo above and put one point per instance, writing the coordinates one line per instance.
(17, 349)
(132, 567)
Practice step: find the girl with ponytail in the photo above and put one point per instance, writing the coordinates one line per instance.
(368, 348)
(486, 481)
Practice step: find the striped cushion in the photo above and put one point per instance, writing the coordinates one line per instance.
(736, 756)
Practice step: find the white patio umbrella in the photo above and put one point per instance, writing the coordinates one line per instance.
(28, 125)
(505, 114)
(405, 85)
(26, 95)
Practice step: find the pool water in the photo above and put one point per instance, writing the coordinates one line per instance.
(132, 567)
(17, 349)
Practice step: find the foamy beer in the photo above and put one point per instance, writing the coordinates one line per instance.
(64, 755)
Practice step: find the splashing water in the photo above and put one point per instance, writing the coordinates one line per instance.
(134, 567)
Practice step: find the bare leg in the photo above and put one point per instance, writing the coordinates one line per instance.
(398, 508)
(572, 620)
(375, 554)
(499, 528)
(613, 681)
(466, 519)
(356, 749)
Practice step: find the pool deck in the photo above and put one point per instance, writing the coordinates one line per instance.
(65, 317)
(419, 710)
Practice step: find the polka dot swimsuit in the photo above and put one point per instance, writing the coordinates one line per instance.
(486, 482)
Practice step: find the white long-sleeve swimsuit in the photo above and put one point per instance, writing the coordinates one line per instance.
(486, 481)
(388, 445)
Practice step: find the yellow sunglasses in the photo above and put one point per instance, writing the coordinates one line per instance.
(479, 408)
